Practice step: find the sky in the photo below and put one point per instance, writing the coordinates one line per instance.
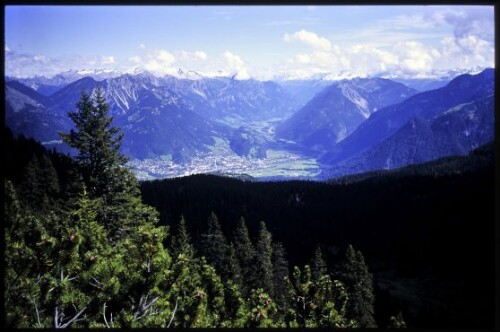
(249, 41)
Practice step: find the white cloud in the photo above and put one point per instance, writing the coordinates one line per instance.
(164, 62)
(468, 51)
(415, 57)
(235, 66)
(405, 44)
(364, 60)
(106, 60)
(310, 39)
(7, 48)
(159, 62)
(191, 56)
(200, 55)
(135, 59)
(40, 58)
(473, 21)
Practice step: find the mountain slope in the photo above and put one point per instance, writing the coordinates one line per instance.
(455, 132)
(463, 89)
(29, 113)
(159, 116)
(336, 111)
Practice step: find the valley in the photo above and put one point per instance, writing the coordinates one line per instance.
(277, 164)
(284, 129)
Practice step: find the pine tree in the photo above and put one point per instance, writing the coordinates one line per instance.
(235, 274)
(247, 256)
(316, 303)
(181, 243)
(281, 278)
(265, 276)
(263, 310)
(359, 284)
(99, 260)
(98, 143)
(215, 247)
(40, 188)
(318, 264)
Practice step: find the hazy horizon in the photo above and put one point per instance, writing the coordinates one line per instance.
(248, 41)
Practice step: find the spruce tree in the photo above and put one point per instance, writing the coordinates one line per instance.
(265, 276)
(235, 274)
(318, 264)
(247, 256)
(40, 187)
(181, 243)
(359, 284)
(215, 247)
(98, 143)
(281, 278)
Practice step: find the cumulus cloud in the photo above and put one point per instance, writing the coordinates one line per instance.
(159, 62)
(473, 21)
(191, 56)
(7, 48)
(107, 59)
(200, 55)
(165, 62)
(235, 66)
(410, 58)
(309, 38)
(135, 59)
(399, 45)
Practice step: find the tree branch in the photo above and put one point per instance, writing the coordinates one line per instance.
(143, 307)
(58, 320)
(173, 314)
(104, 315)
(37, 312)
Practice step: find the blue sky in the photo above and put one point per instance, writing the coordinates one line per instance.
(248, 41)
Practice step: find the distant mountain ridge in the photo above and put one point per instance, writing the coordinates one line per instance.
(335, 112)
(448, 121)
(348, 126)
(160, 116)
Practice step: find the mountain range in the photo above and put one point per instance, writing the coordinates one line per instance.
(347, 126)
(451, 120)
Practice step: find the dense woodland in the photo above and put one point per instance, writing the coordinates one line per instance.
(83, 250)
(426, 231)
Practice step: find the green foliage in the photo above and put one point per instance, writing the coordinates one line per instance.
(265, 278)
(40, 186)
(359, 284)
(263, 310)
(317, 303)
(98, 143)
(91, 255)
(215, 247)
(181, 243)
(246, 255)
(318, 264)
(281, 279)
(235, 274)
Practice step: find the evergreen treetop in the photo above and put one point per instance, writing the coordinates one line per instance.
(98, 143)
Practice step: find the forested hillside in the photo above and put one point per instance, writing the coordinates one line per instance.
(83, 251)
(426, 230)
